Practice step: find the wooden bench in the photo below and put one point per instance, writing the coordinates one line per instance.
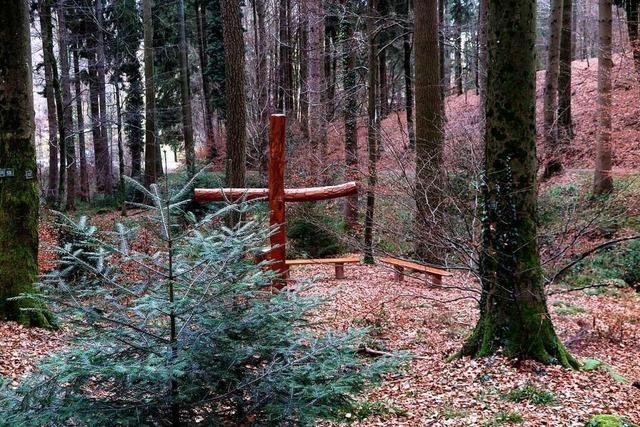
(399, 265)
(338, 262)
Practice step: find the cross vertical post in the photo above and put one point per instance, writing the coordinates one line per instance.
(277, 254)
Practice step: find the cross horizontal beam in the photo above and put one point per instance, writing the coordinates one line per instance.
(204, 195)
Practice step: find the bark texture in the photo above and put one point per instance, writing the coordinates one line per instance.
(429, 127)
(52, 119)
(18, 194)
(550, 129)
(316, 85)
(67, 109)
(372, 134)
(150, 151)
(104, 178)
(235, 96)
(77, 83)
(565, 121)
(185, 92)
(603, 181)
(408, 73)
(632, 7)
(350, 117)
(513, 310)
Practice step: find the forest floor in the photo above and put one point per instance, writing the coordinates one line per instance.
(432, 324)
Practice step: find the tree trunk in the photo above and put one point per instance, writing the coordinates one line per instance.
(603, 181)
(262, 74)
(407, 31)
(84, 174)
(482, 54)
(632, 29)
(185, 92)
(350, 117)
(429, 127)
(19, 202)
(201, 14)
(304, 67)
(121, 184)
(382, 9)
(52, 120)
(550, 130)
(45, 11)
(565, 122)
(458, 51)
(150, 145)
(514, 318)
(317, 116)
(70, 146)
(285, 74)
(372, 134)
(444, 83)
(104, 182)
(235, 96)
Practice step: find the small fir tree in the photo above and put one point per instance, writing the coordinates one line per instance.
(181, 331)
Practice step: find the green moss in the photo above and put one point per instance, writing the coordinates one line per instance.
(609, 421)
(530, 394)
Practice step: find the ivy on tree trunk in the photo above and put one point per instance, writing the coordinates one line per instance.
(514, 317)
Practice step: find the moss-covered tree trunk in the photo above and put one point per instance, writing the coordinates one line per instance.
(513, 309)
(19, 192)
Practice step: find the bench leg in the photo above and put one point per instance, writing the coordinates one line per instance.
(398, 273)
(434, 279)
(339, 271)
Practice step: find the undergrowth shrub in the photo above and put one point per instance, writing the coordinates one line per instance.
(191, 333)
(313, 233)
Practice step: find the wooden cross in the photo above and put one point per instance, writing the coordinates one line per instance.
(277, 194)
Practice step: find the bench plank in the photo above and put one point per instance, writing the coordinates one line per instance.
(337, 262)
(415, 266)
(347, 260)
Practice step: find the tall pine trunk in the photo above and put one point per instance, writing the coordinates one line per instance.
(185, 92)
(70, 146)
(632, 29)
(483, 11)
(429, 128)
(45, 8)
(372, 133)
(458, 51)
(550, 129)
(444, 84)
(304, 67)
(382, 9)
(514, 317)
(151, 171)
(317, 116)
(565, 121)
(77, 82)
(201, 19)
(603, 181)
(235, 96)
(350, 117)
(19, 202)
(262, 74)
(408, 74)
(52, 119)
(104, 181)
